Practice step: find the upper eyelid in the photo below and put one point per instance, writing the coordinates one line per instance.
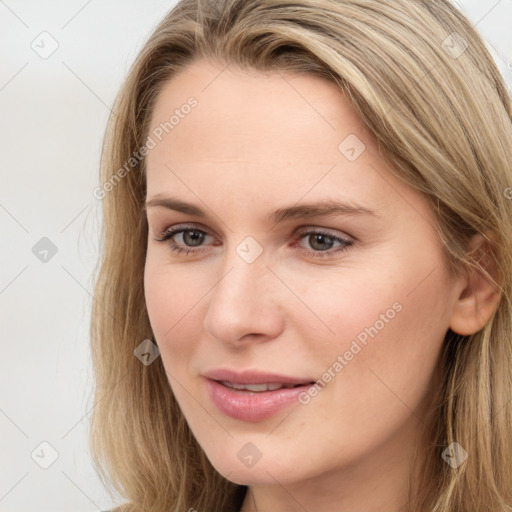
(175, 229)
(190, 226)
(181, 227)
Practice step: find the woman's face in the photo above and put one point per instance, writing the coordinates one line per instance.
(302, 260)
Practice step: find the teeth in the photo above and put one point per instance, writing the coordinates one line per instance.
(257, 388)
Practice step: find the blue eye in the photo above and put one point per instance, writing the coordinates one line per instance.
(322, 242)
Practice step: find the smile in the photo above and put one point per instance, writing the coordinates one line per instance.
(253, 395)
(258, 388)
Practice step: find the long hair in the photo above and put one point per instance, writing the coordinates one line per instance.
(425, 85)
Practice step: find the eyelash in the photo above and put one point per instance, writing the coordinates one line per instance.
(168, 234)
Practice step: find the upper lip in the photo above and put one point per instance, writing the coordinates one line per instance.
(253, 377)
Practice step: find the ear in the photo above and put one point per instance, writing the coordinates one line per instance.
(479, 297)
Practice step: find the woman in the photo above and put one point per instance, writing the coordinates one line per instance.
(303, 301)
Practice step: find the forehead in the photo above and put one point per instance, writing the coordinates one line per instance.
(252, 117)
(266, 137)
(237, 109)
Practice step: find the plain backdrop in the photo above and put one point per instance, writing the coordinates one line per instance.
(54, 109)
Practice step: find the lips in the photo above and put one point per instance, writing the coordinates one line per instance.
(254, 377)
(253, 395)
(258, 388)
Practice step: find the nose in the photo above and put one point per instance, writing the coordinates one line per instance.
(245, 302)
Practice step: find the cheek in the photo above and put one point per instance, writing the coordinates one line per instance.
(173, 299)
(385, 348)
(388, 318)
(161, 301)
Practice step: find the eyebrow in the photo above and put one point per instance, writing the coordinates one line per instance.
(301, 211)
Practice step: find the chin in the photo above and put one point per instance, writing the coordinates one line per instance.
(247, 477)
(263, 472)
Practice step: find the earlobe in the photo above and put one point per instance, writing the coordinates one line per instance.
(479, 296)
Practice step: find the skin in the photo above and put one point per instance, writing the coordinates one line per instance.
(254, 143)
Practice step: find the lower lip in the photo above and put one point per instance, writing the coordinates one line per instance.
(252, 406)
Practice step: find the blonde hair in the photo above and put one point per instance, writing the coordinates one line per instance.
(443, 118)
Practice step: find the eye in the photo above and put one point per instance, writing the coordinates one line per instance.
(322, 243)
(192, 239)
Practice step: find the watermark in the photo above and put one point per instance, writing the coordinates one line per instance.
(45, 45)
(44, 455)
(454, 455)
(44, 250)
(351, 147)
(249, 249)
(146, 352)
(136, 157)
(454, 45)
(249, 455)
(355, 348)
(508, 193)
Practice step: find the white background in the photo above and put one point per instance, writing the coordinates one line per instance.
(53, 116)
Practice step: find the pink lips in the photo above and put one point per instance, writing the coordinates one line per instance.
(248, 405)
